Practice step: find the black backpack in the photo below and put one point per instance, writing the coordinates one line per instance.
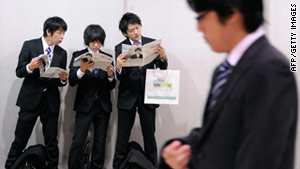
(135, 158)
(34, 157)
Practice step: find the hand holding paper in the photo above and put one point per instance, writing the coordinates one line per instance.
(34, 63)
(55, 72)
(99, 60)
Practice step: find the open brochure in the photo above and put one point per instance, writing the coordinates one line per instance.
(140, 55)
(46, 70)
(101, 60)
(52, 72)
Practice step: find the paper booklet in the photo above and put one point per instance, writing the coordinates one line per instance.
(52, 72)
(101, 60)
(46, 70)
(140, 55)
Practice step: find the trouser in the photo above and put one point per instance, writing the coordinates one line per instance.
(83, 120)
(126, 120)
(25, 125)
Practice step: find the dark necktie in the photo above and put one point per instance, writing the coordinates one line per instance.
(95, 70)
(218, 84)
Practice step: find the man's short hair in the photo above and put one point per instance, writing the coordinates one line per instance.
(138, 49)
(93, 33)
(128, 18)
(252, 10)
(53, 24)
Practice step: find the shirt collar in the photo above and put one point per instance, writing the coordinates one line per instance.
(91, 51)
(237, 52)
(45, 46)
(131, 41)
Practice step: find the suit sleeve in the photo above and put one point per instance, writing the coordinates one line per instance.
(161, 64)
(73, 79)
(184, 140)
(123, 74)
(270, 118)
(24, 58)
(103, 81)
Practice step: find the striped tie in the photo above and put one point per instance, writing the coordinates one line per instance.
(220, 81)
(48, 50)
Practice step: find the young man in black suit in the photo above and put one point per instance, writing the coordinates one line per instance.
(131, 92)
(251, 113)
(92, 103)
(40, 97)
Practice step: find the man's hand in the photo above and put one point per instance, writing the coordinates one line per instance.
(63, 76)
(177, 155)
(34, 63)
(121, 60)
(161, 52)
(86, 65)
(110, 70)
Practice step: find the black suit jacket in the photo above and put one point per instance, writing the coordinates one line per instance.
(253, 124)
(132, 79)
(33, 85)
(89, 84)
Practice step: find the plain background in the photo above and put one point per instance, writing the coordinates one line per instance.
(169, 20)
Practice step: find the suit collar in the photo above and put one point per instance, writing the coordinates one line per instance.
(237, 52)
(45, 46)
(143, 41)
(131, 41)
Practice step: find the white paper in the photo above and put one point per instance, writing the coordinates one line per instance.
(101, 60)
(140, 55)
(52, 72)
(45, 62)
(162, 86)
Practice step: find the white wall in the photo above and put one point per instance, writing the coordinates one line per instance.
(169, 20)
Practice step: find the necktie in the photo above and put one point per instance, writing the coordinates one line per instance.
(218, 84)
(95, 70)
(48, 50)
(137, 43)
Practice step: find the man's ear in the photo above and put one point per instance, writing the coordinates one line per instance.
(236, 16)
(125, 34)
(48, 33)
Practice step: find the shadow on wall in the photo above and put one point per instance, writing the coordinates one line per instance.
(10, 120)
(66, 125)
(10, 117)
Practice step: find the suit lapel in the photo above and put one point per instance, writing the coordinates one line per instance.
(237, 73)
(54, 57)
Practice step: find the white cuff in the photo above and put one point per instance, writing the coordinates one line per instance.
(80, 73)
(28, 70)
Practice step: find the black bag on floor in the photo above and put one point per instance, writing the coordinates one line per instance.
(135, 158)
(34, 157)
(85, 159)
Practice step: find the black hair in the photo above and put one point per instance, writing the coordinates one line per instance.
(53, 24)
(138, 49)
(252, 10)
(93, 33)
(128, 18)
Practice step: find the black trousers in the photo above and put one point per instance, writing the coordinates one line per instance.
(25, 125)
(126, 120)
(83, 121)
